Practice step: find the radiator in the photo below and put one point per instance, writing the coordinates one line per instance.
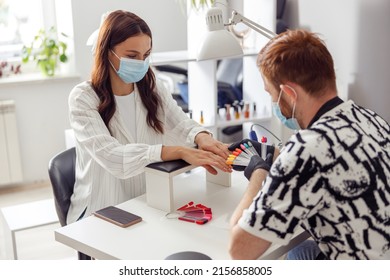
(10, 162)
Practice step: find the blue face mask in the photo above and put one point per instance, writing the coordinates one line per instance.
(131, 70)
(291, 123)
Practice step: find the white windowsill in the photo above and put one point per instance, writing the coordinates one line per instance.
(26, 79)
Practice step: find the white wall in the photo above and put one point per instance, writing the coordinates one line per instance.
(41, 107)
(164, 17)
(356, 33)
(41, 114)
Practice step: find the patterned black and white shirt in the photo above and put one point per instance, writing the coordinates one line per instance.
(334, 180)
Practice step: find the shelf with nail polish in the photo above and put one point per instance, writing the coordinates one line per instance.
(202, 91)
(229, 117)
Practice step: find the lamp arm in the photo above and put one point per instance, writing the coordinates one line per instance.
(236, 18)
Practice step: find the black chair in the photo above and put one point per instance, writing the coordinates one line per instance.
(62, 177)
(281, 25)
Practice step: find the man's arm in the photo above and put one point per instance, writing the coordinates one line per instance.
(244, 245)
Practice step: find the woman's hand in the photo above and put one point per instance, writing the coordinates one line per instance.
(196, 157)
(208, 160)
(207, 143)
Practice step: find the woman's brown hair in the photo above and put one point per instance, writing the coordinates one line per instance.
(300, 57)
(116, 28)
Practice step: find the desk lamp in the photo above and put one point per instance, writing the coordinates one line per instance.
(219, 42)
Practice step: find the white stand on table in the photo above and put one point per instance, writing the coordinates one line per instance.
(160, 180)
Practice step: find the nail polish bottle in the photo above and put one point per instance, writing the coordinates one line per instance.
(237, 112)
(263, 147)
(227, 115)
(246, 111)
(242, 105)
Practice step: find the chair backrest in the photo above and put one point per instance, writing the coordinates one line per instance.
(281, 24)
(62, 177)
(280, 5)
(230, 71)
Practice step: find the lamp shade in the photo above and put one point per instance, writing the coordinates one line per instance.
(218, 42)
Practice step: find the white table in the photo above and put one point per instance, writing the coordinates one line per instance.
(157, 237)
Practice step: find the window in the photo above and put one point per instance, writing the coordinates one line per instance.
(20, 21)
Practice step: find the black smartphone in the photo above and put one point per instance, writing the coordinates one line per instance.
(118, 216)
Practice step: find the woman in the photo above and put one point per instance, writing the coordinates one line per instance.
(123, 120)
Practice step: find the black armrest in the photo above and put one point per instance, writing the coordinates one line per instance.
(169, 166)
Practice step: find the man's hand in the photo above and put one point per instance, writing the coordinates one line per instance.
(257, 162)
(261, 149)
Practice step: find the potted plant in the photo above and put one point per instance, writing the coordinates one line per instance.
(47, 50)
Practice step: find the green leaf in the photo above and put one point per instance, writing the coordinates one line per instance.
(63, 58)
(50, 43)
(63, 46)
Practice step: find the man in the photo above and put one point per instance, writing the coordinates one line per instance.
(332, 177)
